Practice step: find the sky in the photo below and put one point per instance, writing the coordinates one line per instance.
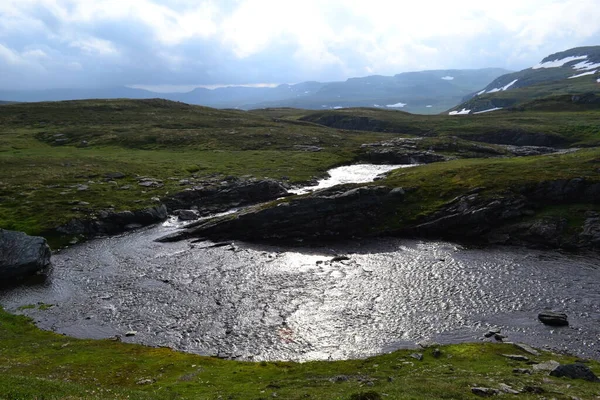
(175, 45)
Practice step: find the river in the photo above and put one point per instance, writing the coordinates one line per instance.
(261, 302)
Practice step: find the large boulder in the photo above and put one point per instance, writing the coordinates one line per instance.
(21, 254)
(575, 371)
(553, 318)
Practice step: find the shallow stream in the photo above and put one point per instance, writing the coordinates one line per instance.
(258, 302)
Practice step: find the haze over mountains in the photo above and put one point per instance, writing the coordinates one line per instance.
(424, 92)
(573, 71)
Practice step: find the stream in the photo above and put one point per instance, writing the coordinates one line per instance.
(260, 302)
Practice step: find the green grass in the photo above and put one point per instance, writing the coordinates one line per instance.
(573, 128)
(36, 364)
(48, 148)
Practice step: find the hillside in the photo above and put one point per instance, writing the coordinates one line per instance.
(574, 71)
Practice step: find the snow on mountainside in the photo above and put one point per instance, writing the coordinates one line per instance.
(573, 71)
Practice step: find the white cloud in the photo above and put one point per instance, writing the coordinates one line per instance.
(95, 46)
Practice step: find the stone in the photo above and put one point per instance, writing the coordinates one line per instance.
(526, 348)
(553, 318)
(114, 175)
(516, 357)
(533, 389)
(575, 371)
(21, 255)
(145, 381)
(417, 356)
(82, 188)
(130, 333)
(436, 353)
(507, 389)
(546, 366)
(484, 392)
(187, 215)
(522, 371)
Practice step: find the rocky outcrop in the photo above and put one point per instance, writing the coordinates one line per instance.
(109, 222)
(21, 255)
(338, 212)
(477, 216)
(226, 195)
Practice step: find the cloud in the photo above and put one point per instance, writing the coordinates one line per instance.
(207, 42)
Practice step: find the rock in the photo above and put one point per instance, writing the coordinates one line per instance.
(330, 213)
(340, 378)
(82, 188)
(546, 366)
(149, 184)
(233, 193)
(130, 333)
(575, 371)
(21, 255)
(507, 389)
(125, 187)
(436, 353)
(145, 381)
(516, 357)
(492, 332)
(114, 175)
(553, 318)
(187, 215)
(499, 337)
(340, 258)
(533, 389)
(417, 356)
(307, 148)
(526, 348)
(522, 371)
(484, 392)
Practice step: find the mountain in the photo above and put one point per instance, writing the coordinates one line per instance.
(424, 92)
(571, 72)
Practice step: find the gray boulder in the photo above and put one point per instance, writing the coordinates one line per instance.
(21, 254)
(575, 371)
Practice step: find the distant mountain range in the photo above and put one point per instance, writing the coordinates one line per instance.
(425, 92)
(571, 72)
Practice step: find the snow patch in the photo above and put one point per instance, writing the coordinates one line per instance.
(480, 93)
(598, 80)
(397, 105)
(464, 111)
(558, 63)
(583, 74)
(585, 66)
(503, 88)
(337, 107)
(448, 78)
(429, 106)
(491, 109)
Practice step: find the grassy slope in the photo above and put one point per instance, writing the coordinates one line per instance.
(437, 184)
(578, 128)
(38, 364)
(153, 138)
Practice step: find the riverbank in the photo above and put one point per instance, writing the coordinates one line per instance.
(35, 362)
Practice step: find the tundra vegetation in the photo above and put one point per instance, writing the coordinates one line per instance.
(71, 160)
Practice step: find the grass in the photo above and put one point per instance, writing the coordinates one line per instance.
(49, 148)
(37, 364)
(575, 128)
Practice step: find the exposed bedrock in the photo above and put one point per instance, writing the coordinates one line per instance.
(340, 212)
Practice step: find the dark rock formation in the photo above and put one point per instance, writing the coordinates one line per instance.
(338, 212)
(222, 197)
(575, 371)
(553, 318)
(110, 222)
(21, 254)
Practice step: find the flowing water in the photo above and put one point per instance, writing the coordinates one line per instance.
(259, 302)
